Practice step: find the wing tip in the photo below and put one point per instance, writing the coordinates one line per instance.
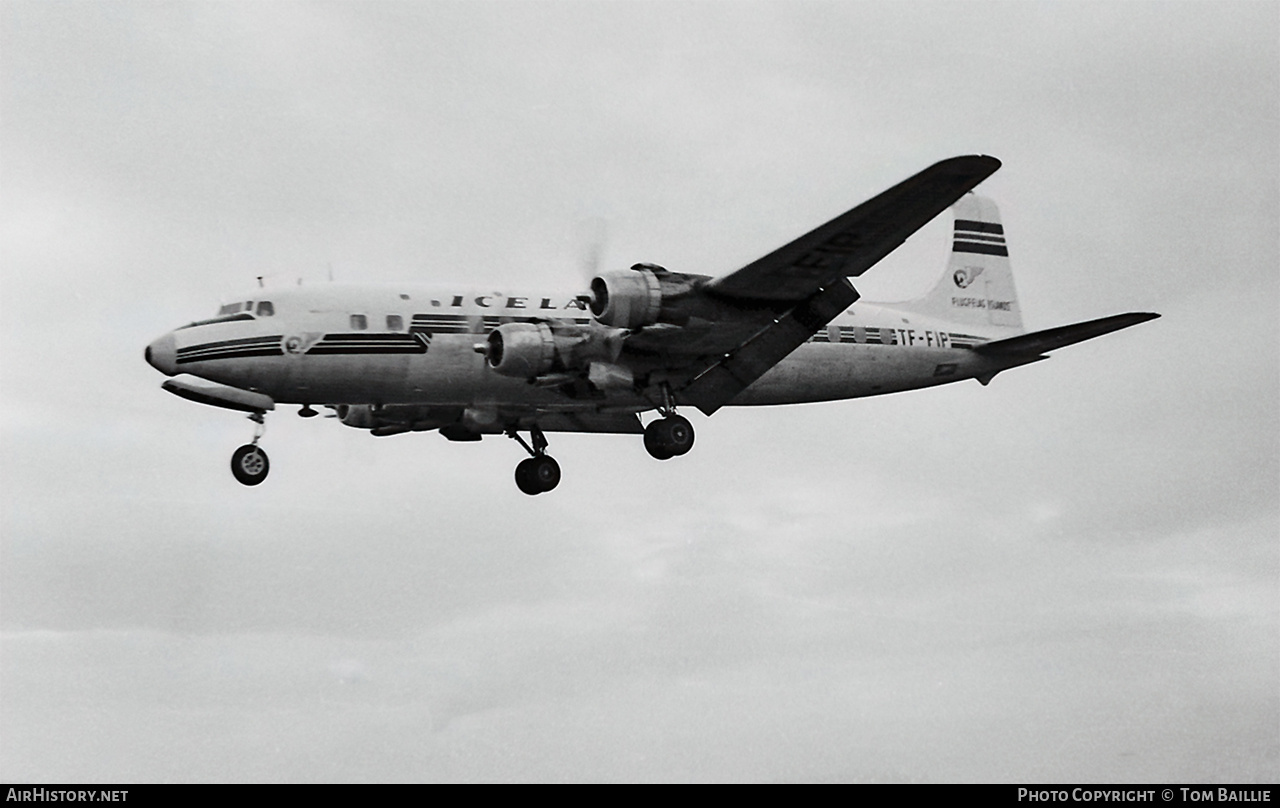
(983, 164)
(1132, 318)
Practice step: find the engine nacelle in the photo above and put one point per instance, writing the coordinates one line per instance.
(393, 419)
(359, 416)
(646, 295)
(627, 299)
(540, 350)
(524, 350)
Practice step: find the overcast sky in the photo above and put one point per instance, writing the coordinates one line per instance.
(1071, 574)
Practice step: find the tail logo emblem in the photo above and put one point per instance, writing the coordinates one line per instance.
(965, 276)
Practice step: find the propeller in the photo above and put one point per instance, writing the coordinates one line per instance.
(592, 235)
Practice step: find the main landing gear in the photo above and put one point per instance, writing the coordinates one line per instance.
(249, 463)
(671, 435)
(539, 472)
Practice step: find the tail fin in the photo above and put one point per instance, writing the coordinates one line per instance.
(978, 287)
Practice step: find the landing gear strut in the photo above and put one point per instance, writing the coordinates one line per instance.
(249, 463)
(671, 435)
(539, 472)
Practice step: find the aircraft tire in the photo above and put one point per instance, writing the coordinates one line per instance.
(524, 477)
(249, 464)
(678, 434)
(653, 443)
(668, 437)
(545, 472)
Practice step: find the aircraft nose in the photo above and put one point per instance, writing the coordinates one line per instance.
(162, 355)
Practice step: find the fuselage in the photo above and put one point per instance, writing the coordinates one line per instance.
(409, 344)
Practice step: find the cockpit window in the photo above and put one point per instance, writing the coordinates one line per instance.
(222, 318)
(230, 308)
(265, 309)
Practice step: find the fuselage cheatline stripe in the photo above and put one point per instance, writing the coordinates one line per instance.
(231, 354)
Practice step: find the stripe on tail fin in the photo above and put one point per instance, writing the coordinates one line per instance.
(978, 287)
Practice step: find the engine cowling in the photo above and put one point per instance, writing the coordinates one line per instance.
(393, 419)
(359, 416)
(540, 351)
(627, 299)
(524, 350)
(649, 294)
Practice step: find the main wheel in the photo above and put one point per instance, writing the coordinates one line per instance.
(249, 464)
(669, 437)
(545, 472)
(537, 475)
(678, 434)
(653, 442)
(524, 477)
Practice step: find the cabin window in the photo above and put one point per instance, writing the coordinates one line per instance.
(265, 309)
(359, 322)
(395, 322)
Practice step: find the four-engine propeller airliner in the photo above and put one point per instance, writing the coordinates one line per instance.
(786, 328)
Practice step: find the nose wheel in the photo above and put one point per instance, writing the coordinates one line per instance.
(249, 464)
(538, 473)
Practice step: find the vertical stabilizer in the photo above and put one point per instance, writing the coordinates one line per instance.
(977, 288)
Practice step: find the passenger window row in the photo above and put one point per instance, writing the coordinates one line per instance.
(360, 322)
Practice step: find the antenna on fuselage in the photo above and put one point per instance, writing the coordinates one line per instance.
(259, 281)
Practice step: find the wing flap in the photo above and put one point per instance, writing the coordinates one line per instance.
(1038, 342)
(731, 374)
(853, 242)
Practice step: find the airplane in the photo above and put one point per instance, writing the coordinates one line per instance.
(786, 328)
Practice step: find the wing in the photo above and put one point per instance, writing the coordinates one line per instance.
(786, 296)
(852, 243)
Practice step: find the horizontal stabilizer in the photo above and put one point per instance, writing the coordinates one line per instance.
(1038, 342)
(219, 395)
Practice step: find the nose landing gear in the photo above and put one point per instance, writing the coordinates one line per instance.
(539, 472)
(249, 463)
